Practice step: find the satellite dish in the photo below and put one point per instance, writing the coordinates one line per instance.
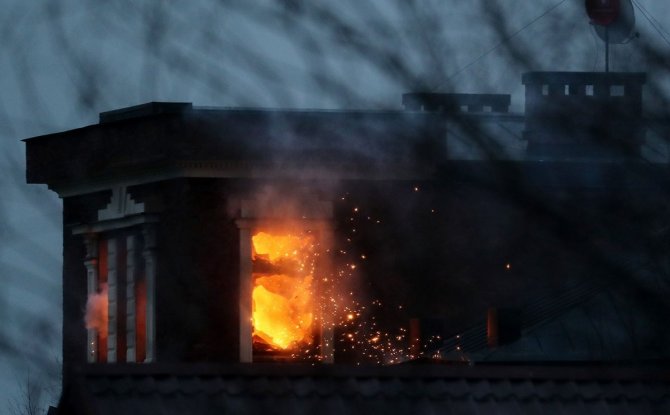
(602, 12)
(621, 29)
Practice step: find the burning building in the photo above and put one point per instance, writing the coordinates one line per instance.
(214, 249)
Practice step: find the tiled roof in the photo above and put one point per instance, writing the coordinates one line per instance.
(424, 389)
(580, 323)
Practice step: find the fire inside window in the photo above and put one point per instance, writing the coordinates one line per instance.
(283, 309)
(97, 307)
(116, 306)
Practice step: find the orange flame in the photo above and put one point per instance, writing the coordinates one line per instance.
(96, 311)
(282, 298)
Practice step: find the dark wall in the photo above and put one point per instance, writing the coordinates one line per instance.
(451, 248)
(198, 274)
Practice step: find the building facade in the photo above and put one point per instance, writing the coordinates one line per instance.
(246, 241)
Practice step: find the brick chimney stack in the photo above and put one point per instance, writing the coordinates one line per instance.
(583, 115)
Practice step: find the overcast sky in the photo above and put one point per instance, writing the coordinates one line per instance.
(63, 62)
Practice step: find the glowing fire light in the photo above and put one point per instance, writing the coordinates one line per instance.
(96, 311)
(282, 299)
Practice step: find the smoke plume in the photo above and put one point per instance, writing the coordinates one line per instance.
(96, 311)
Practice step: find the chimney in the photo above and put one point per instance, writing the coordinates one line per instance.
(583, 115)
(503, 326)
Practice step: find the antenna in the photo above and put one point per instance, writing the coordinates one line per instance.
(613, 20)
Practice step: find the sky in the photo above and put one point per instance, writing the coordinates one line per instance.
(61, 63)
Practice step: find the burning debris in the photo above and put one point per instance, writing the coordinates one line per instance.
(283, 310)
(292, 297)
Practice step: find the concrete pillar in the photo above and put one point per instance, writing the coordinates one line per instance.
(112, 290)
(326, 323)
(246, 287)
(91, 264)
(131, 303)
(149, 254)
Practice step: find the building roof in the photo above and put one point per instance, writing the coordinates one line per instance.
(165, 140)
(156, 141)
(425, 389)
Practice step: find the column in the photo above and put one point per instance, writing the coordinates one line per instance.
(91, 264)
(131, 277)
(246, 286)
(112, 290)
(149, 254)
(326, 334)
